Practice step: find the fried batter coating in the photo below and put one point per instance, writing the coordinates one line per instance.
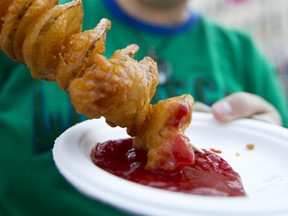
(45, 42)
(119, 88)
(79, 53)
(14, 14)
(36, 9)
(4, 5)
(47, 38)
(162, 135)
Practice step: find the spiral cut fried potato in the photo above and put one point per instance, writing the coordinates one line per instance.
(47, 38)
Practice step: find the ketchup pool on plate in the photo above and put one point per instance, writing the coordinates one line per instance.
(209, 175)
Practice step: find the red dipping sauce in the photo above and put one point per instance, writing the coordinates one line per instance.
(210, 175)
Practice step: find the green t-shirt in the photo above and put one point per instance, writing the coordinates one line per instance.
(208, 62)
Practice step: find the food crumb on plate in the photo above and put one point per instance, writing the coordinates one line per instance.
(217, 151)
(250, 146)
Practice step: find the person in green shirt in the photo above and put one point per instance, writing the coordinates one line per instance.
(219, 67)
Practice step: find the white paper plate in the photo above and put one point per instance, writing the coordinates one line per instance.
(264, 170)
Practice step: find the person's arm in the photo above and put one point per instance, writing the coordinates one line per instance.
(266, 99)
(263, 81)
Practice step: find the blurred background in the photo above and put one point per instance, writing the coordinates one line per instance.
(265, 20)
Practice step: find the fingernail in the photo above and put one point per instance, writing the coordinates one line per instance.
(223, 108)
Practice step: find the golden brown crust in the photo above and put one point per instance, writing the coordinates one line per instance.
(162, 135)
(79, 52)
(4, 5)
(44, 43)
(118, 88)
(13, 16)
(35, 10)
(48, 39)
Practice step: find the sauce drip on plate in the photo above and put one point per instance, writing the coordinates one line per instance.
(209, 175)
